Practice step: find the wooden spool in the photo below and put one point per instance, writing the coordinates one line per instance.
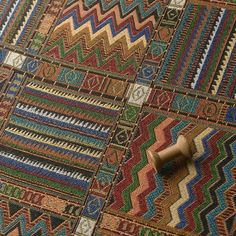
(180, 151)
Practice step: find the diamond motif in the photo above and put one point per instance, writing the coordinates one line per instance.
(15, 59)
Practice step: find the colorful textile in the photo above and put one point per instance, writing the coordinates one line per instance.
(87, 88)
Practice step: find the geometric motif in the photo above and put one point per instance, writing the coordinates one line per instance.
(31, 65)
(14, 59)
(146, 74)
(102, 183)
(85, 227)
(111, 224)
(15, 220)
(130, 113)
(213, 202)
(71, 77)
(121, 136)
(87, 88)
(113, 157)
(206, 62)
(138, 94)
(93, 207)
(231, 114)
(73, 150)
(108, 36)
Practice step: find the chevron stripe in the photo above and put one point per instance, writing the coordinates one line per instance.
(111, 18)
(41, 225)
(21, 220)
(230, 210)
(142, 172)
(195, 208)
(230, 147)
(94, 57)
(119, 198)
(192, 174)
(138, 164)
(138, 194)
(161, 142)
(222, 179)
(104, 33)
(206, 178)
(125, 9)
(115, 14)
(160, 211)
(164, 136)
(203, 176)
(112, 40)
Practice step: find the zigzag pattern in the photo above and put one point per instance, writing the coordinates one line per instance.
(144, 8)
(225, 179)
(202, 190)
(203, 175)
(93, 58)
(123, 200)
(137, 186)
(230, 210)
(114, 18)
(183, 184)
(19, 224)
(140, 191)
(121, 32)
(110, 42)
(159, 201)
(81, 104)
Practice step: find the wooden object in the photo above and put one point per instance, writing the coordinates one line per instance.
(181, 151)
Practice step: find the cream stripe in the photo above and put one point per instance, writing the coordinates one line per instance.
(26, 18)
(202, 63)
(54, 142)
(229, 51)
(10, 14)
(183, 184)
(107, 29)
(72, 96)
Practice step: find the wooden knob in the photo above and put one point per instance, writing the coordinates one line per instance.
(181, 150)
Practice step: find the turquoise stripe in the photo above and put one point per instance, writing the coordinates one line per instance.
(211, 217)
(58, 133)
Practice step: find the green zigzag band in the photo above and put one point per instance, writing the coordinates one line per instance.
(121, 66)
(126, 193)
(206, 187)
